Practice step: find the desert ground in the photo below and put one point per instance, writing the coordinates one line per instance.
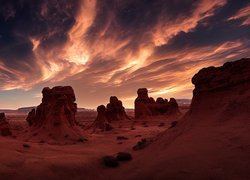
(82, 160)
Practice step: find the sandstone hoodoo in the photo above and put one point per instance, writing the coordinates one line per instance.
(4, 126)
(102, 120)
(115, 109)
(54, 119)
(147, 106)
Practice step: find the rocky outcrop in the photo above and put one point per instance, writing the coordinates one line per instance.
(222, 89)
(214, 133)
(115, 109)
(4, 126)
(147, 106)
(54, 118)
(102, 120)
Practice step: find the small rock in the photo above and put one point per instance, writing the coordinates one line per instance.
(121, 138)
(26, 145)
(82, 140)
(120, 143)
(173, 124)
(161, 124)
(133, 128)
(110, 161)
(123, 156)
(138, 135)
(141, 144)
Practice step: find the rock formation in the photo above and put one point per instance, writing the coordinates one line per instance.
(113, 112)
(115, 109)
(54, 118)
(102, 120)
(147, 106)
(212, 139)
(224, 88)
(4, 126)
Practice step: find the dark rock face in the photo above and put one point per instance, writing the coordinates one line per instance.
(115, 109)
(55, 116)
(228, 75)
(222, 89)
(4, 126)
(147, 106)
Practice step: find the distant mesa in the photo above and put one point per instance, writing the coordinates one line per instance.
(54, 119)
(146, 106)
(4, 126)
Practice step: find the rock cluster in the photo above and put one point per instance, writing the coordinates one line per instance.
(114, 111)
(147, 106)
(4, 126)
(55, 116)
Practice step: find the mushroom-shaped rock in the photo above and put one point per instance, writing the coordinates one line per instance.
(4, 126)
(54, 119)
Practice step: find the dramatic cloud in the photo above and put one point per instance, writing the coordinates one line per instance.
(113, 47)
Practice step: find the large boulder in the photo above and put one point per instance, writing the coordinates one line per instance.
(54, 119)
(4, 126)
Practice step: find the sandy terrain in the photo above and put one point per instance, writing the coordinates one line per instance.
(78, 161)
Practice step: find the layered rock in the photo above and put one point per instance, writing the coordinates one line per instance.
(54, 118)
(224, 89)
(4, 126)
(147, 106)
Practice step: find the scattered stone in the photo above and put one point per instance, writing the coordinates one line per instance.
(123, 156)
(82, 139)
(26, 145)
(141, 144)
(121, 138)
(120, 143)
(138, 136)
(173, 124)
(161, 124)
(110, 161)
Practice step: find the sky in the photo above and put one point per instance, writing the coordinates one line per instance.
(113, 47)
